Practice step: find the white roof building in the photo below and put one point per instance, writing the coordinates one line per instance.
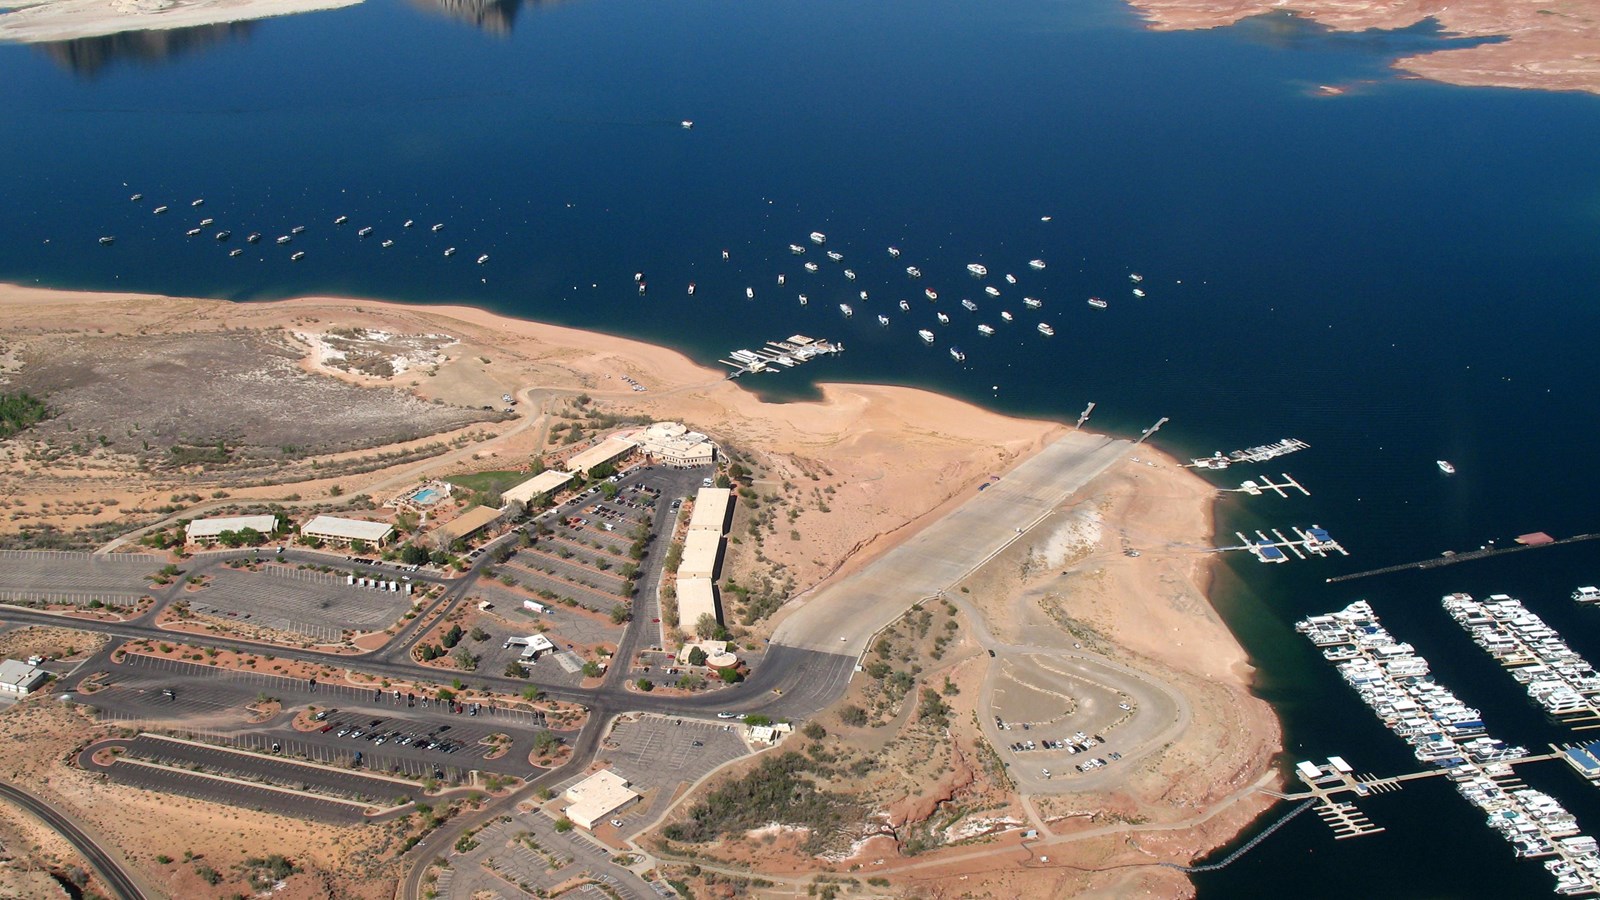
(532, 645)
(711, 509)
(206, 530)
(18, 679)
(547, 482)
(701, 549)
(596, 797)
(696, 597)
(672, 444)
(609, 450)
(343, 531)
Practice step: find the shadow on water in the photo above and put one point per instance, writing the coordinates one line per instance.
(93, 57)
(492, 16)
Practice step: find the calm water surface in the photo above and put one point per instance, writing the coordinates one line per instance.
(1398, 274)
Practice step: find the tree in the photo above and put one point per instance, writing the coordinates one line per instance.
(591, 669)
(620, 614)
(412, 555)
(531, 693)
(229, 538)
(757, 719)
(814, 731)
(730, 676)
(854, 716)
(722, 481)
(706, 626)
(465, 660)
(359, 547)
(439, 558)
(478, 634)
(252, 537)
(646, 685)
(689, 681)
(563, 825)
(608, 490)
(452, 637)
(515, 669)
(545, 741)
(697, 656)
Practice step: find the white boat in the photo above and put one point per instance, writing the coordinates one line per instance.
(943, 319)
(387, 244)
(992, 291)
(136, 198)
(643, 286)
(882, 319)
(236, 251)
(1445, 466)
(298, 256)
(1031, 303)
(686, 124)
(977, 269)
(1587, 595)
(638, 276)
(364, 232)
(863, 295)
(986, 329)
(439, 227)
(818, 237)
(971, 307)
(913, 271)
(205, 222)
(725, 255)
(160, 209)
(1138, 292)
(1036, 264)
(254, 237)
(811, 267)
(691, 289)
(957, 355)
(341, 220)
(200, 202)
(450, 251)
(192, 232)
(850, 274)
(845, 308)
(803, 300)
(1011, 279)
(1046, 330)
(295, 230)
(796, 249)
(894, 251)
(836, 256)
(224, 235)
(1135, 277)
(749, 293)
(409, 223)
(483, 259)
(782, 278)
(284, 239)
(931, 294)
(1005, 315)
(1097, 303)
(904, 306)
(107, 241)
(925, 334)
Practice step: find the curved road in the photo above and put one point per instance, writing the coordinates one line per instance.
(104, 865)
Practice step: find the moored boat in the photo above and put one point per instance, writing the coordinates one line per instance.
(913, 271)
(749, 293)
(894, 251)
(796, 249)
(943, 319)
(1046, 330)
(387, 244)
(1031, 303)
(811, 267)
(159, 210)
(205, 222)
(1138, 292)
(977, 269)
(1445, 466)
(364, 232)
(850, 274)
(1005, 315)
(804, 300)
(192, 232)
(254, 237)
(986, 329)
(818, 238)
(992, 291)
(883, 319)
(297, 256)
(845, 308)
(483, 259)
(341, 220)
(925, 334)
(904, 306)
(449, 251)
(836, 256)
(932, 295)
(1097, 303)
(107, 241)
(295, 230)
(284, 239)
(957, 355)
(971, 307)
(1036, 264)
(236, 251)
(224, 235)
(1011, 279)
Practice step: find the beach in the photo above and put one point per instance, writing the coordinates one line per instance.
(65, 20)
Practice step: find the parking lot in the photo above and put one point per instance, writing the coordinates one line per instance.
(201, 787)
(276, 771)
(73, 577)
(527, 854)
(657, 753)
(299, 600)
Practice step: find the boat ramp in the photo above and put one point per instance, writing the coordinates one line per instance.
(787, 354)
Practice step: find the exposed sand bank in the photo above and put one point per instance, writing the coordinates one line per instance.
(1546, 47)
(33, 21)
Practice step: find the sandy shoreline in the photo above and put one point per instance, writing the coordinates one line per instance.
(35, 21)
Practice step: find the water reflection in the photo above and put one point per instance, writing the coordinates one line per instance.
(92, 56)
(494, 16)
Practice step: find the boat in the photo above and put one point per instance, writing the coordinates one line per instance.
(136, 198)
(439, 227)
(803, 300)
(224, 235)
(483, 259)
(1036, 264)
(1011, 279)
(796, 249)
(192, 232)
(971, 307)
(160, 209)
(931, 294)
(943, 319)
(201, 202)
(957, 355)
(835, 256)
(387, 244)
(782, 278)
(638, 276)
(297, 256)
(449, 251)
(1046, 330)
(284, 239)
(894, 251)
(925, 334)
(1138, 292)
(1005, 315)
(341, 220)
(992, 291)
(1445, 466)
(686, 124)
(1586, 595)
(107, 241)
(850, 274)
(254, 237)
(977, 269)
(818, 238)
(1135, 277)
(725, 255)
(691, 289)
(236, 251)
(295, 230)
(409, 223)
(364, 232)
(1097, 303)
(904, 306)
(883, 319)
(913, 271)
(986, 329)
(205, 222)
(1031, 303)
(863, 295)
(643, 286)
(811, 267)
(845, 308)
(749, 293)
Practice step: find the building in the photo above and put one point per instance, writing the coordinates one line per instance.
(207, 531)
(342, 532)
(610, 450)
(532, 646)
(598, 797)
(702, 550)
(711, 507)
(18, 679)
(541, 485)
(466, 525)
(696, 597)
(672, 444)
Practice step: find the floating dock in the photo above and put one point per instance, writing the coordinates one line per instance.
(1313, 541)
(1257, 487)
(1553, 674)
(1250, 454)
(787, 354)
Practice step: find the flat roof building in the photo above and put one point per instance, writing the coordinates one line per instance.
(701, 551)
(696, 597)
(532, 645)
(607, 451)
(18, 679)
(207, 531)
(539, 485)
(335, 530)
(711, 507)
(597, 797)
(467, 524)
(673, 444)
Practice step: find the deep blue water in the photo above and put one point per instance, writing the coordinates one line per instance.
(1396, 275)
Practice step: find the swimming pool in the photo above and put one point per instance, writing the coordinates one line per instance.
(427, 496)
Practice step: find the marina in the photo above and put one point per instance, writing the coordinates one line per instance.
(797, 349)
(1314, 541)
(1554, 675)
(1250, 455)
(1255, 487)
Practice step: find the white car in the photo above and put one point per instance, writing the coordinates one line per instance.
(616, 823)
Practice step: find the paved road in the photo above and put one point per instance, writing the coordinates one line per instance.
(104, 865)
